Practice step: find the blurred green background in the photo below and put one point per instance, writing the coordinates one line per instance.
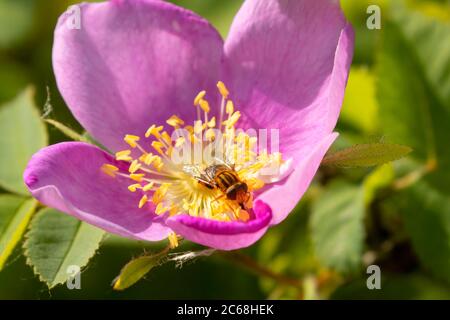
(396, 216)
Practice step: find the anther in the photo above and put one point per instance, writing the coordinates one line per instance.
(204, 105)
(173, 240)
(131, 140)
(199, 97)
(223, 89)
(134, 187)
(110, 170)
(229, 109)
(123, 155)
(137, 176)
(153, 131)
(174, 121)
(143, 201)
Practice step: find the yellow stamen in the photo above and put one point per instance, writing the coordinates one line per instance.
(123, 155)
(198, 127)
(255, 184)
(173, 210)
(229, 107)
(131, 140)
(204, 105)
(173, 240)
(232, 119)
(148, 187)
(147, 158)
(137, 177)
(210, 135)
(134, 187)
(135, 166)
(110, 170)
(157, 145)
(143, 201)
(174, 121)
(160, 192)
(179, 142)
(199, 97)
(160, 209)
(157, 163)
(222, 89)
(212, 123)
(278, 158)
(153, 131)
(166, 138)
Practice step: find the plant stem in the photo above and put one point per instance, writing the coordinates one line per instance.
(414, 176)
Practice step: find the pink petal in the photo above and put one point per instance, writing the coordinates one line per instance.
(287, 65)
(67, 176)
(282, 197)
(223, 235)
(132, 64)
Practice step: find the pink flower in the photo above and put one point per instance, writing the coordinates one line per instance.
(142, 62)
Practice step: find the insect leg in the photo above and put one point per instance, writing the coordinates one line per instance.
(225, 163)
(219, 197)
(206, 182)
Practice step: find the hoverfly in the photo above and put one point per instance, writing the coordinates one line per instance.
(225, 178)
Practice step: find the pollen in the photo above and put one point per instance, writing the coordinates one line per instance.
(134, 166)
(134, 187)
(204, 105)
(148, 158)
(137, 176)
(232, 120)
(177, 186)
(143, 201)
(158, 146)
(211, 123)
(229, 107)
(131, 140)
(174, 121)
(153, 131)
(222, 89)
(210, 135)
(173, 240)
(110, 170)
(124, 155)
(148, 186)
(180, 142)
(199, 97)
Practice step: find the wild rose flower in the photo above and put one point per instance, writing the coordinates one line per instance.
(131, 76)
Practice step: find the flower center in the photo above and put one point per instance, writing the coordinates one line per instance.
(209, 169)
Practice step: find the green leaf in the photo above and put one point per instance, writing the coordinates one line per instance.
(337, 226)
(21, 134)
(426, 213)
(379, 178)
(435, 9)
(360, 108)
(56, 241)
(355, 12)
(16, 21)
(136, 269)
(288, 248)
(410, 287)
(414, 87)
(14, 77)
(366, 155)
(15, 214)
